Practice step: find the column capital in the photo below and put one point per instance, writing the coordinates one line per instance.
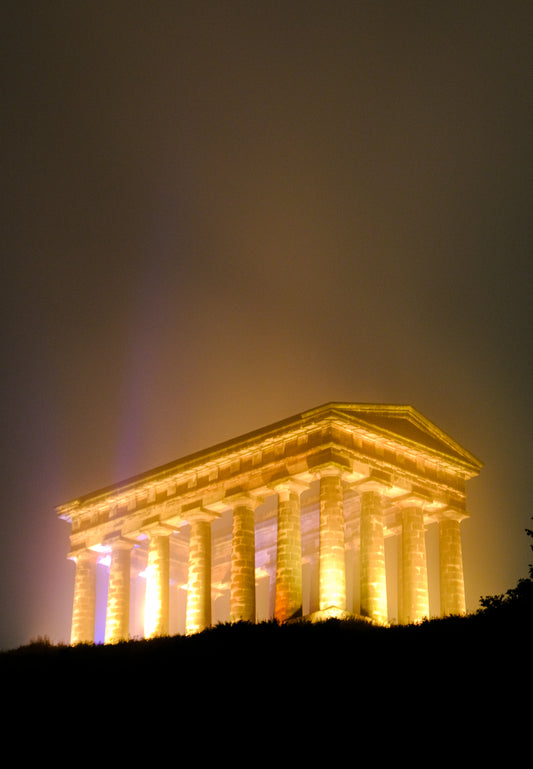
(244, 499)
(289, 485)
(412, 499)
(84, 553)
(359, 471)
(118, 542)
(371, 484)
(157, 528)
(451, 513)
(375, 480)
(330, 470)
(199, 513)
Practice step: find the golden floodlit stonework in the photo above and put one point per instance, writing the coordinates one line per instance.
(304, 512)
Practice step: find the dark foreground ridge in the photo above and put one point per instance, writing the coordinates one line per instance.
(497, 641)
(334, 683)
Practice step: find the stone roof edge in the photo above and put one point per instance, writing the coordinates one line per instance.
(276, 428)
(238, 443)
(425, 424)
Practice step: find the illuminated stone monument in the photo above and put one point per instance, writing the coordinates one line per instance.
(322, 514)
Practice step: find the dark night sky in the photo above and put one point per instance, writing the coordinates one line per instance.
(219, 214)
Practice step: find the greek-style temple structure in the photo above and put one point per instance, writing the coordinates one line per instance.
(318, 515)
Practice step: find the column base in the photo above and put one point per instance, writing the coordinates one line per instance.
(333, 612)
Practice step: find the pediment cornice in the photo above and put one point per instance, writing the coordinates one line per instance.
(399, 426)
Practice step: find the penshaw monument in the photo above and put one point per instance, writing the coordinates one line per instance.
(321, 514)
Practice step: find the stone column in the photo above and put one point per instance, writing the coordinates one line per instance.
(118, 594)
(399, 576)
(452, 587)
(156, 607)
(288, 600)
(198, 615)
(332, 568)
(84, 609)
(242, 591)
(373, 576)
(415, 597)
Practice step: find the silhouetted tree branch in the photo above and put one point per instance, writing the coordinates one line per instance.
(518, 599)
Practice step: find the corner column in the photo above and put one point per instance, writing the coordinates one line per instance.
(198, 615)
(156, 607)
(373, 576)
(118, 593)
(288, 600)
(84, 609)
(452, 586)
(332, 565)
(242, 591)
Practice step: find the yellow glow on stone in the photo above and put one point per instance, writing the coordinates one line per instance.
(151, 602)
(331, 613)
(406, 473)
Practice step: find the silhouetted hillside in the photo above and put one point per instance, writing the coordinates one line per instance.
(488, 639)
(301, 690)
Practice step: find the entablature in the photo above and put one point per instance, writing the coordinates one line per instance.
(295, 449)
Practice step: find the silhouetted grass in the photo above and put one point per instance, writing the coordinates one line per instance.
(248, 677)
(455, 639)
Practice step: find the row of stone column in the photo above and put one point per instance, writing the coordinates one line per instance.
(413, 600)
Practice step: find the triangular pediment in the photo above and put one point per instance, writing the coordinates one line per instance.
(406, 424)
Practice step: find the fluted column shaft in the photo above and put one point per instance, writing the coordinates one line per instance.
(415, 597)
(332, 569)
(156, 608)
(199, 583)
(288, 601)
(452, 587)
(84, 608)
(118, 594)
(242, 591)
(373, 576)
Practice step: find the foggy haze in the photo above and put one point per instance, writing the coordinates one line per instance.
(218, 215)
